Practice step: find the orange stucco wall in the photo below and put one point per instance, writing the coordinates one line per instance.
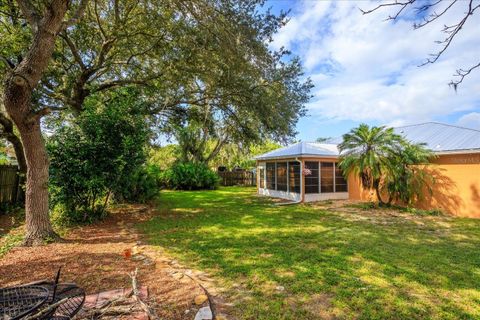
(456, 190)
(357, 192)
(457, 185)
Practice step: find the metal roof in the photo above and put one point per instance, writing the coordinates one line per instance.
(302, 149)
(439, 137)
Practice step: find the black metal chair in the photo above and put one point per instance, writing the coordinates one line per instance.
(25, 300)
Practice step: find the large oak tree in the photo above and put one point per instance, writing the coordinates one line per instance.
(182, 54)
(46, 19)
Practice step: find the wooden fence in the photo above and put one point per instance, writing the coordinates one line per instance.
(238, 178)
(10, 190)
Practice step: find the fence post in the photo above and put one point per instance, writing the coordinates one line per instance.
(10, 182)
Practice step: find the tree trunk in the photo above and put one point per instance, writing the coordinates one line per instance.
(19, 87)
(37, 221)
(38, 226)
(376, 184)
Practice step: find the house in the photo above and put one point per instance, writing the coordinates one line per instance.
(308, 171)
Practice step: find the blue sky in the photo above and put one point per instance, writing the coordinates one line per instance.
(366, 69)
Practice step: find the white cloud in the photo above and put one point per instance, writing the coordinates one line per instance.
(470, 120)
(367, 69)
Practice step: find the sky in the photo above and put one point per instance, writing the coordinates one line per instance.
(366, 69)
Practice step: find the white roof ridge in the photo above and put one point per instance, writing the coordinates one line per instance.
(435, 122)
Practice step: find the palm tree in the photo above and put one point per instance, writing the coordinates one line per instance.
(409, 178)
(370, 153)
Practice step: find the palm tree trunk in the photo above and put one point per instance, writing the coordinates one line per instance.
(376, 184)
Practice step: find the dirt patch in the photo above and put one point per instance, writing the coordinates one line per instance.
(9, 221)
(94, 258)
(320, 305)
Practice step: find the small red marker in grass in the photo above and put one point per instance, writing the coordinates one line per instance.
(127, 254)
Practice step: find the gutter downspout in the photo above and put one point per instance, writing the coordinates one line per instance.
(301, 189)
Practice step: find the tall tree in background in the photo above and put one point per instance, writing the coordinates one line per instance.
(247, 106)
(426, 13)
(46, 20)
(183, 54)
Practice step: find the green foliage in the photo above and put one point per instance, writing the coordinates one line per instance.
(4, 159)
(189, 176)
(9, 208)
(163, 157)
(230, 155)
(140, 186)
(366, 206)
(386, 162)
(9, 241)
(98, 154)
(240, 155)
(322, 139)
(422, 212)
(367, 152)
(363, 205)
(408, 179)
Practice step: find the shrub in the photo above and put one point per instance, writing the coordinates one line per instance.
(363, 205)
(140, 186)
(424, 212)
(95, 156)
(189, 176)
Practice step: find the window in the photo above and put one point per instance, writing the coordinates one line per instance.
(326, 174)
(311, 177)
(282, 176)
(340, 181)
(294, 177)
(271, 176)
(261, 172)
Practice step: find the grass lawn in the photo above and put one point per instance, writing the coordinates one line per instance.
(342, 263)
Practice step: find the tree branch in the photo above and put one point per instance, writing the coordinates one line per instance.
(216, 149)
(106, 46)
(77, 15)
(8, 62)
(73, 49)
(116, 83)
(451, 31)
(433, 16)
(30, 12)
(402, 4)
(462, 73)
(97, 17)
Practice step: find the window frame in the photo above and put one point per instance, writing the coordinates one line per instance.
(271, 167)
(281, 180)
(261, 177)
(296, 188)
(315, 175)
(336, 167)
(322, 176)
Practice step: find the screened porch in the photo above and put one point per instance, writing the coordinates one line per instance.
(306, 180)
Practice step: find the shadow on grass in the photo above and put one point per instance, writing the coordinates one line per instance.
(407, 269)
